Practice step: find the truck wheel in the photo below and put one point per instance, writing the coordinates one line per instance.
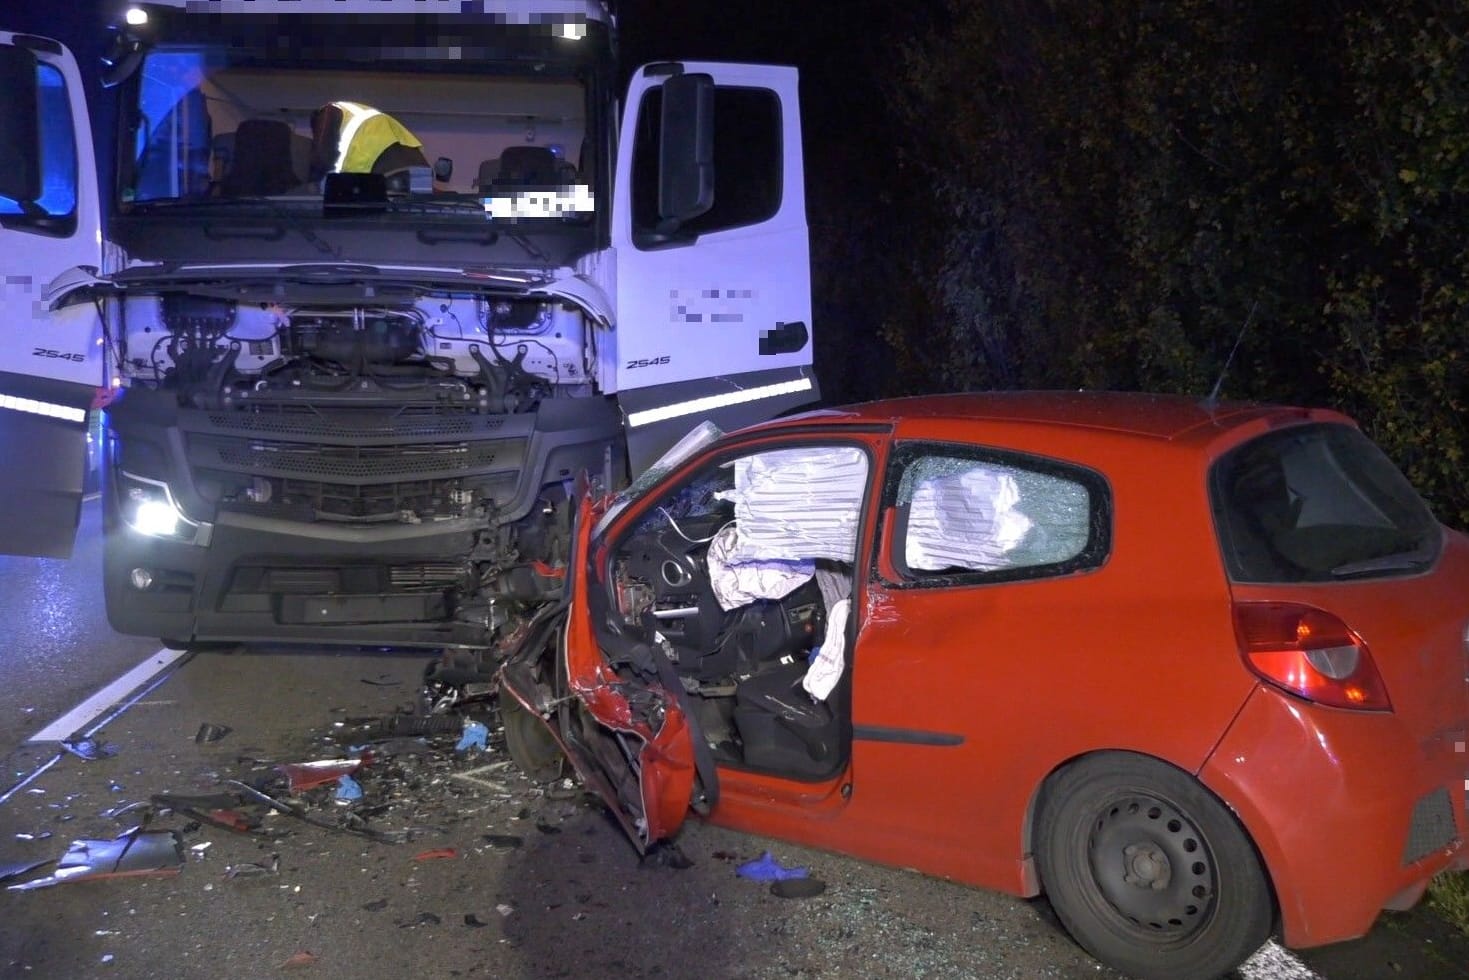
(530, 744)
(1148, 871)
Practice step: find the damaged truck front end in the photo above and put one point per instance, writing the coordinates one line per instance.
(293, 463)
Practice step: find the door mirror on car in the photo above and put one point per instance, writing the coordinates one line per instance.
(686, 150)
(20, 127)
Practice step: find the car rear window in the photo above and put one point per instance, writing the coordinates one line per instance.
(1318, 503)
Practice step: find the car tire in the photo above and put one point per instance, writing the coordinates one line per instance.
(530, 744)
(1148, 870)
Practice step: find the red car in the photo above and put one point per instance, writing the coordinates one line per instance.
(1196, 672)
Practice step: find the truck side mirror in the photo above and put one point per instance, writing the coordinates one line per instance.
(20, 126)
(124, 54)
(686, 150)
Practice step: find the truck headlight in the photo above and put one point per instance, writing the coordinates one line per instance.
(148, 507)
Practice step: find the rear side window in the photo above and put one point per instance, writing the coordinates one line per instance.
(1318, 503)
(967, 515)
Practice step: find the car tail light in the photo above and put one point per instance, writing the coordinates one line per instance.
(1310, 653)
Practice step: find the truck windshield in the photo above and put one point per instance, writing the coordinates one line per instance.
(218, 125)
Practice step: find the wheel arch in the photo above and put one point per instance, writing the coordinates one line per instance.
(1033, 885)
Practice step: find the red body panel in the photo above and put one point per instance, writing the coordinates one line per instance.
(966, 697)
(1327, 796)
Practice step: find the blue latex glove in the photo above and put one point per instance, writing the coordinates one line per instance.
(348, 789)
(767, 868)
(473, 738)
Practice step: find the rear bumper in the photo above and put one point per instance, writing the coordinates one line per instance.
(1351, 813)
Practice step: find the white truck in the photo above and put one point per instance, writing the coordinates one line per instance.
(350, 407)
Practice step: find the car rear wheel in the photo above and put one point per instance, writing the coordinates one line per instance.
(1148, 871)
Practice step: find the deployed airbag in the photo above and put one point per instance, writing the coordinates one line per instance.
(793, 504)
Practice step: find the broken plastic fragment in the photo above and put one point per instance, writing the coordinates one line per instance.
(14, 869)
(136, 853)
(299, 960)
(767, 868)
(308, 775)
(251, 870)
(505, 910)
(89, 749)
(348, 789)
(475, 734)
(40, 836)
(209, 732)
(437, 854)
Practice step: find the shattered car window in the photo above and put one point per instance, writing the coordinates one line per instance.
(978, 515)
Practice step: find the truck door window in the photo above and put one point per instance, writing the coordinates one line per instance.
(58, 200)
(747, 162)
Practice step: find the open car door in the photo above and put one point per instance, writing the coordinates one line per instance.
(621, 722)
(51, 356)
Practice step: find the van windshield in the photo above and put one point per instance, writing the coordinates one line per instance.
(1319, 503)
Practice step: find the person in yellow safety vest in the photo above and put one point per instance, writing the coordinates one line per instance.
(348, 137)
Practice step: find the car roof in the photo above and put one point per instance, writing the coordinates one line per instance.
(1154, 416)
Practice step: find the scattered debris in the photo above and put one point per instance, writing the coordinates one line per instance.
(472, 920)
(89, 749)
(505, 910)
(424, 919)
(437, 854)
(797, 887)
(503, 842)
(474, 737)
(348, 789)
(127, 810)
(302, 776)
(15, 869)
(382, 680)
(767, 868)
(252, 869)
(155, 853)
(473, 776)
(299, 960)
(43, 835)
(376, 905)
(227, 811)
(209, 732)
(666, 854)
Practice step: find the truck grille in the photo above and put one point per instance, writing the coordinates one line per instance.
(354, 464)
(343, 462)
(406, 422)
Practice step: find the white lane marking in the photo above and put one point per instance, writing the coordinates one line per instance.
(83, 714)
(89, 497)
(1274, 962)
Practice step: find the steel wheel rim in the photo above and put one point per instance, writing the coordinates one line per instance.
(1152, 867)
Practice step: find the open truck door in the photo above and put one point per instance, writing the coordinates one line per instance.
(51, 355)
(713, 257)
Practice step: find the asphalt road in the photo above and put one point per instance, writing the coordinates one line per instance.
(497, 878)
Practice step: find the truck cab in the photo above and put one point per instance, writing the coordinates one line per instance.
(348, 395)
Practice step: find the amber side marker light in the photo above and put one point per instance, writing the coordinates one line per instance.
(1310, 653)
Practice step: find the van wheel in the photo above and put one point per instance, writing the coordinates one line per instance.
(1148, 871)
(530, 744)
